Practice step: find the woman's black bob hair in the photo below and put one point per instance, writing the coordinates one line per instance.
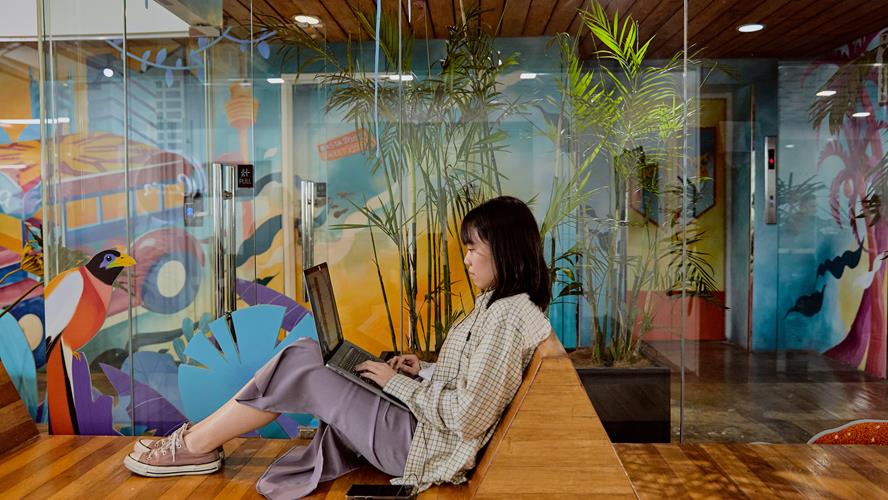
(507, 225)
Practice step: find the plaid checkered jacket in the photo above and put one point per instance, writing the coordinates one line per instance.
(479, 369)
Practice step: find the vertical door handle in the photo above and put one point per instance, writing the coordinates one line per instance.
(307, 191)
(222, 187)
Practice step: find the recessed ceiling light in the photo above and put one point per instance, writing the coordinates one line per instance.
(861, 114)
(275, 80)
(306, 19)
(790, 146)
(403, 78)
(108, 72)
(527, 76)
(826, 93)
(750, 28)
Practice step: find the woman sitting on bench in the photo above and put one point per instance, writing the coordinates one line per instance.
(453, 411)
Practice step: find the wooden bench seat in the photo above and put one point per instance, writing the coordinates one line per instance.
(549, 443)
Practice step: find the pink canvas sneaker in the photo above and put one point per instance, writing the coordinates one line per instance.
(170, 457)
(146, 444)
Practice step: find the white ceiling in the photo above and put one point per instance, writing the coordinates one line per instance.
(88, 19)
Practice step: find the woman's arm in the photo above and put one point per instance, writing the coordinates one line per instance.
(481, 393)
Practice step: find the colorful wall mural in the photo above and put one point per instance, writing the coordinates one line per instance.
(21, 221)
(704, 317)
(832, 241)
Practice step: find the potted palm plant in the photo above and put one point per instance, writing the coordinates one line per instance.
(434, 139)
(624, 117)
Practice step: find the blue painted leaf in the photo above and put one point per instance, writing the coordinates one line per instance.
(93, 415)
(264, 49)
(179, 347)
(201, 42)
(187, 328)
(145, 56)
(200, 74)
(254, 293)
(161, 56)
(217, 374)
(156, 370)
(150, 410)
(178, 62)
(15, 353)
(243, 47)
(168, 78)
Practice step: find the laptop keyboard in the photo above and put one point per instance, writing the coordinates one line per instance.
(353, 358)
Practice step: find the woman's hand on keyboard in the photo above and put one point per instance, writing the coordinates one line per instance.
(378, 372)
(405, 363)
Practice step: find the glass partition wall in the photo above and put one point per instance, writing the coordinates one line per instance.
(711, 219)
(147, 119)
(797, 107)
(365, 156)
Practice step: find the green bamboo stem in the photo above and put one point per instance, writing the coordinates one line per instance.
(388, 312)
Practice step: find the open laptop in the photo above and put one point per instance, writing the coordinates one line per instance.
(340, 355)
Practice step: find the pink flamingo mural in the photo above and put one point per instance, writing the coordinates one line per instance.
(859, 146)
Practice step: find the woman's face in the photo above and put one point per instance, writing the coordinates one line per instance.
(479, 262)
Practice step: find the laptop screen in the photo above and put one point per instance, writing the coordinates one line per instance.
(323, 306)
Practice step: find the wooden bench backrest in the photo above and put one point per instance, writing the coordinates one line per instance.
(550, 348)
(16, 425)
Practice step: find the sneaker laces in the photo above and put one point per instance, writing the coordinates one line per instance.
(170, 443)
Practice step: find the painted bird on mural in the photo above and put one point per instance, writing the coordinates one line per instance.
(76, 305)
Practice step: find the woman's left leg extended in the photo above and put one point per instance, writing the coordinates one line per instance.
(228, 422)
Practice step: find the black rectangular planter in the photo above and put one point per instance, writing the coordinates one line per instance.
(632, 403)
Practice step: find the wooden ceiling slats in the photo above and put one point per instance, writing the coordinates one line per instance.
(651, 14)
(701, 15)
(562, 16)
(330, 27)
(414, 23)
(717, 17)
(538, 16)
(442, 16)
(367, 7)
(347, 22)
(644, 9)
(586, 45)
(575, 25)
(794, 28)
(782, 33)
(825, 25)
(236, 12)
(730, 41)
(417, 17)
(425, 16)
(841, 26)
(492, 11)
(664, 29)
(515, 17)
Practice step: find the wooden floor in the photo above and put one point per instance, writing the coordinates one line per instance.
(735, 396)
(75, 466)
(72, 466)
(756, 471)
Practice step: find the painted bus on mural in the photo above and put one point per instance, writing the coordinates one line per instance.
(91, 206)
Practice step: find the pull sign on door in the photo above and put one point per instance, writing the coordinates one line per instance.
(245, 176)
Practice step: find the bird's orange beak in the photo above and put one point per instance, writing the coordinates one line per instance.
(123, 261)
